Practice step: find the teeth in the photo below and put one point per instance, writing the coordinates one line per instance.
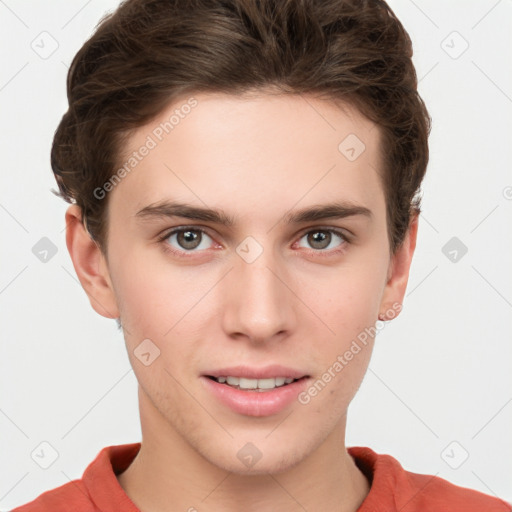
(269, 383)
(248, 383)
(262, 384)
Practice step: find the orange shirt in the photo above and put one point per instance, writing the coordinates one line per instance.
(392, 488)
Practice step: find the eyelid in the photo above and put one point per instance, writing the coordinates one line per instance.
(167, 233)
(343, 232)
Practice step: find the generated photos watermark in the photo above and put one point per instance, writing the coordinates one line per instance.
(343, 360)
(151, 142)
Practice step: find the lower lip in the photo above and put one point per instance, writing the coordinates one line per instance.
(256, 403)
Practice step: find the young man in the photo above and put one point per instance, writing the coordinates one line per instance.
(245, 177)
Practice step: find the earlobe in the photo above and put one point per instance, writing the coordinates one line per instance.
(90, 265)
(398, 275)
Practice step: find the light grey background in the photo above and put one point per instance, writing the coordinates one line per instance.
(439, 382)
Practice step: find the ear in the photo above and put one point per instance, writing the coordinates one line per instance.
(90, 265)
(398, 274)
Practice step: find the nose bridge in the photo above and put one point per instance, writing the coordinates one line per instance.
(258, 300)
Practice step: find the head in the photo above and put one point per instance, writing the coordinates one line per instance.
(259, 111)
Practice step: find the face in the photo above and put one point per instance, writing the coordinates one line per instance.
(279, 291)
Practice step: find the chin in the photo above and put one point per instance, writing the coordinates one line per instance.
(274, 464)
(262, 457)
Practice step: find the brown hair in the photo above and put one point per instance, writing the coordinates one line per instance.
(148, 52)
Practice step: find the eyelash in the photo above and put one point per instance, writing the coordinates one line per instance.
(318, 252)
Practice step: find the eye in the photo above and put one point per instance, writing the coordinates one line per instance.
(187, 240)
(320, 239)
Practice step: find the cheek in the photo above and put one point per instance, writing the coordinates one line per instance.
(351, 302)
(159, 304)
(349, 307)
(328, 397)
(145, 291)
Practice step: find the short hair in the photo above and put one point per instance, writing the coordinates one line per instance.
(147, 53)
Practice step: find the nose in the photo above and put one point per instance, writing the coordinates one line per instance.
(259, 299)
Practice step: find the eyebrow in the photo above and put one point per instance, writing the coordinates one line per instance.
(170, 209)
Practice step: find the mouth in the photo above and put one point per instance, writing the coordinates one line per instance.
(255, 391)
(255, 385)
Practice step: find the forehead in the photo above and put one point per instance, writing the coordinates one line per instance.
(259, 151)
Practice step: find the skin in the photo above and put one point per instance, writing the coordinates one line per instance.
(257, 158)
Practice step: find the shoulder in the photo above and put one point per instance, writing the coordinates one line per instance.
(98, 489)
(406, 491)
(70, 496)
(429, 493)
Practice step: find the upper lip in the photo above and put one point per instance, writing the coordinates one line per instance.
(265, 372)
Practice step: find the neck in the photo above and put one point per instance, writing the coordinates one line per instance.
(169, 475)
